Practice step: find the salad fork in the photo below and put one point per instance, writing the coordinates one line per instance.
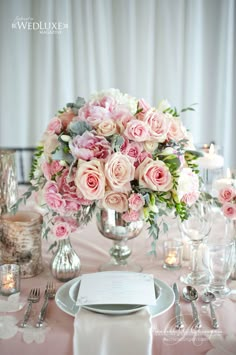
(33, 297)
(50, 292)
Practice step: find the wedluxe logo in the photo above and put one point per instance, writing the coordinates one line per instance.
(43, 27)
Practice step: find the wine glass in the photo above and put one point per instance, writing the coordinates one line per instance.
(197, 228)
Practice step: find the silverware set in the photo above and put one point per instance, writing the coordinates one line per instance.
(34, 297)
(190, 294)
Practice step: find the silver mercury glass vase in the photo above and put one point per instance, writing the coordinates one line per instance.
(8, 181)
(111, 225)
(65, 264)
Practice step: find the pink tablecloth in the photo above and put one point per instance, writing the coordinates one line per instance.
(93, 251)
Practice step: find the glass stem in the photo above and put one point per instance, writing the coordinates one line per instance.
(195, 252)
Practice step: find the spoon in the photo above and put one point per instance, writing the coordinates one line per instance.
(209, 297)
(190, 294)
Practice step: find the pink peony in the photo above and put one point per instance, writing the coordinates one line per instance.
(93, 114)
(136, 201)
(154, 175)
(119, 172)
(89, 146)
(122, 117)
(90, 179)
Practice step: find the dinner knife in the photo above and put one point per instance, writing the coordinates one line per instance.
(178, 314)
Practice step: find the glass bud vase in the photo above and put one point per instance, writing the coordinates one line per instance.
(65, 264)
(233, 273)
(111, 225)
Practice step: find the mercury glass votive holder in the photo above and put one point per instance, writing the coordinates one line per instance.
(172, 254)
(9, 279)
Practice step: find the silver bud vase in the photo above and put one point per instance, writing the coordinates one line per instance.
(65, 263)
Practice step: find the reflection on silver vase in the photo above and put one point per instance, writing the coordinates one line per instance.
(65, 264)
(111, 225)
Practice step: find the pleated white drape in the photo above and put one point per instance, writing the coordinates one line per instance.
(182, 50)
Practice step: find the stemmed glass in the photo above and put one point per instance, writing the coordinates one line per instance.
(196, 228)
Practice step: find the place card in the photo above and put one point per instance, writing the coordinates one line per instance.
(116, 287)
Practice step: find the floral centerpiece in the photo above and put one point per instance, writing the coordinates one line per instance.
(119, 151)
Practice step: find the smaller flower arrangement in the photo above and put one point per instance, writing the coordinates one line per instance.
(227, 201)
(121, 152)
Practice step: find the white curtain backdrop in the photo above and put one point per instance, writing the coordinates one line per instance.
(182, 50)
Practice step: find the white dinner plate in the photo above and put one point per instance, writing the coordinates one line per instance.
(163, 303)
(115, 309)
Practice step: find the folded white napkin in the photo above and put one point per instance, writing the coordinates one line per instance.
(98, 334)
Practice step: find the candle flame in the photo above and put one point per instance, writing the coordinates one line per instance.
(171, 259)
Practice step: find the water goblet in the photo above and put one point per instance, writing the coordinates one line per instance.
(197, 228)
(219, 259)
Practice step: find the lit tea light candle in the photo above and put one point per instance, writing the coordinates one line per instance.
(171, 258)
(173, 251)
(211, 160)
(9, 279)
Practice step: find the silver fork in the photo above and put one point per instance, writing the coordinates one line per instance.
(49, 293)
(33, 297)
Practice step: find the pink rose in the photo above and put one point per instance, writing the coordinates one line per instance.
(144, 106)
(229, 210)
(141, 158)
(133, 150)
(122, 117)
(55, 201)
(227, 194)
(50, 142)
(190, 198)
(158, 124)
(131, 216)
(119, 171)
(50, 169)
(61, 230)
(136, 202)
(154, 175)
(116, 201)
(176, 130)
(89, 146)
(54, 126)
(137, 131)
(106, 128)
(90, 179)
(51, 186)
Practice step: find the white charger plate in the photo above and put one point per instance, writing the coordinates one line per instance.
(68, 305)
